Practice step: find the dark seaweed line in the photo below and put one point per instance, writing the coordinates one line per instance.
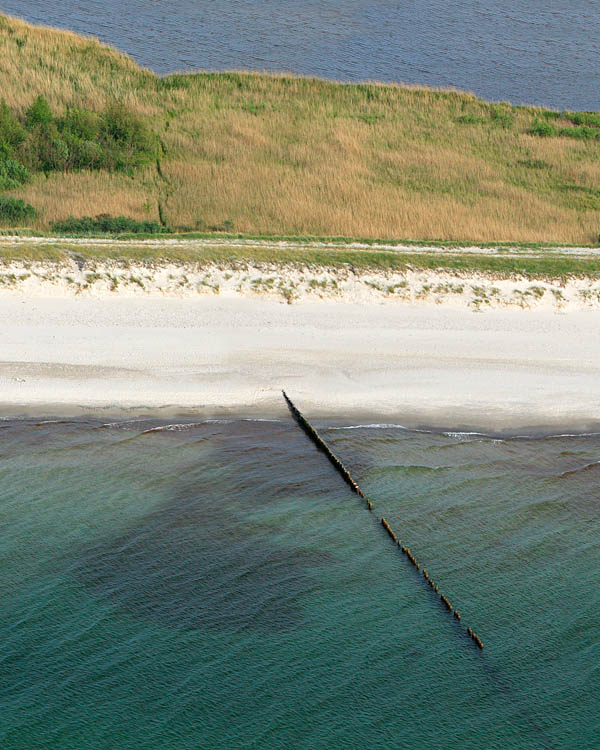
(314, 436)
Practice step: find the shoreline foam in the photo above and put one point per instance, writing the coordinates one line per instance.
(151, 421)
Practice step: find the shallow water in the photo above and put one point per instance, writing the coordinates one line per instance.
(217, 585)
(524, 51)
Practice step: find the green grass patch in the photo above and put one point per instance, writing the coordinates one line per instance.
(551, 267)
(591, 119)
(583, 126)
(469, 119)
(299, 240)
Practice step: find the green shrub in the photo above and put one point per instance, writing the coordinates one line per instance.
(127, 140)
(105, 224)
(82, 124)
(113, 139)
(15, 210)
(12, 133)
(80, 131)
(39, 113)
(12, 174)
(582, 132)
(541, 128)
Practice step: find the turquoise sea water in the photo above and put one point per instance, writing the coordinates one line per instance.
(216, 585)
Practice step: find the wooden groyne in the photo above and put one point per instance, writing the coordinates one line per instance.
(338, 465)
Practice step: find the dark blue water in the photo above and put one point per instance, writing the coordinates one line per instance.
(217, 585)
(525, 51)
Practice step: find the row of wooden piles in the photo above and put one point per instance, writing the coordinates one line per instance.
(306, 426)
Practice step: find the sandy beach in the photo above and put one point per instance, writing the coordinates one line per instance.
(397, 362)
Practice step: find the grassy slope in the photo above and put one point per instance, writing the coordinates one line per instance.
(287, 155)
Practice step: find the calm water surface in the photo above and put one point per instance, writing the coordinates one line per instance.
(215, 585)
(525, 51)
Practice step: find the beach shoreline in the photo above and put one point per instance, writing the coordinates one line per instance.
(416, 365)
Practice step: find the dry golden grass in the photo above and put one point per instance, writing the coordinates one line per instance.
(89, 194)
(277, 154)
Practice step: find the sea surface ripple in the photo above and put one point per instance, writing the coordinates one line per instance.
(213, 583)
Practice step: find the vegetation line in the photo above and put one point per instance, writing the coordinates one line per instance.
(553, 267)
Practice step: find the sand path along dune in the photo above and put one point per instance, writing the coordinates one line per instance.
(395, 363)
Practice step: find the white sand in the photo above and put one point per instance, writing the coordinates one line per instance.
(377, 360)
